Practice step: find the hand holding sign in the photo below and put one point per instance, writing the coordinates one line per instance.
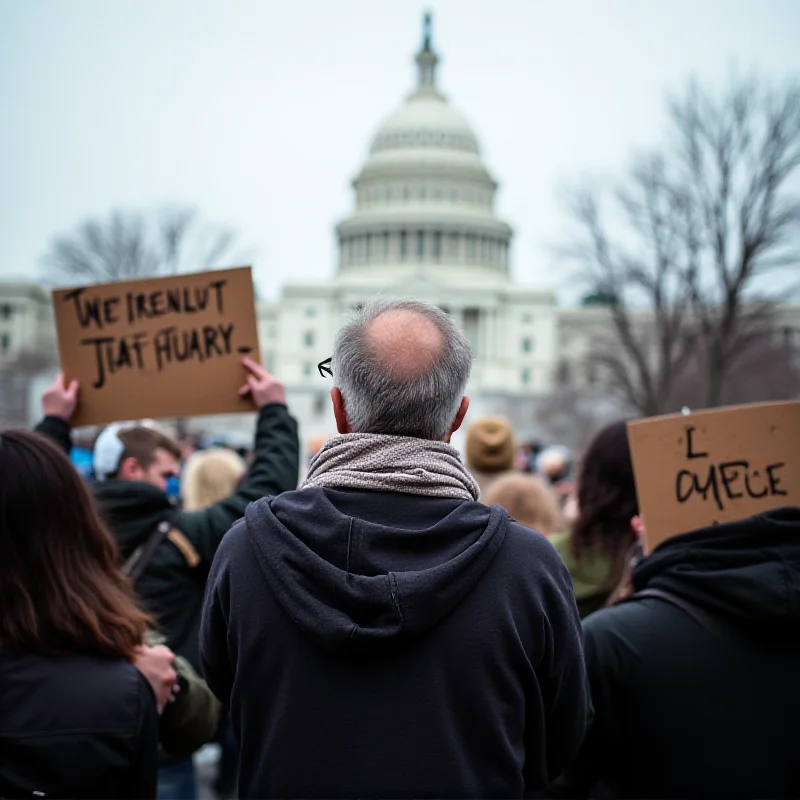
(60, 400)
(262, 387)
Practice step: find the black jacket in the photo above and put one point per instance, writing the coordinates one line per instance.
(171, 588)
(697, 708)
(75, 726)
(372, 644)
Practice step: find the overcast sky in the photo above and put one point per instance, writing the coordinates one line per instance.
(260, 112)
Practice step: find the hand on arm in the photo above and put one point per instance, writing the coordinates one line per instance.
(155, 663)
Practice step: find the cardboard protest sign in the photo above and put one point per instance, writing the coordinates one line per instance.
(709, 467)
(162, 347)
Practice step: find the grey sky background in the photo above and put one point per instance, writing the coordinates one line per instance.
(260, 113)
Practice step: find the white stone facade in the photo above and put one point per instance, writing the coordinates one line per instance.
(26, 322)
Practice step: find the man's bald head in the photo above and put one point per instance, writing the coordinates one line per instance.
(402, 368)
(405, 341)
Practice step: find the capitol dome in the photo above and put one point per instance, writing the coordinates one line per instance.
(424, 196)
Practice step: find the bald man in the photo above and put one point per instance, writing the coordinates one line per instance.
(379, 632)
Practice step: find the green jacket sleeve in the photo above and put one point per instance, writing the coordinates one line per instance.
(275, 469)
(192, 718)
(57, 430)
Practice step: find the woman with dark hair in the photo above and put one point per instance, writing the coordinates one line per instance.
(77, 718)
(597, 549)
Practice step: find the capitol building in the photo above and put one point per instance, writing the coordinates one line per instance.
(424, 227)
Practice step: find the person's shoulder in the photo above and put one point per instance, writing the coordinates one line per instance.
(86, 692)
(531, 543)
(626, 626)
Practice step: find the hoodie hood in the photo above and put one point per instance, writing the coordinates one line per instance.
(359, 585)
(746, 571)
(132, 511)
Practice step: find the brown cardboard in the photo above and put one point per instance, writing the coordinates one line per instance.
(709, 467)
(161, 347)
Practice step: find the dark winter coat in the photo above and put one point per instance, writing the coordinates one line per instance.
(172, 586)
(75, 727)
(372, 644)
(705, 705)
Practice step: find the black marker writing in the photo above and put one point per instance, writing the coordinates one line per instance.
(722, 482)
(690, 429)
(112, 355)
(174, 345)
(97, 311)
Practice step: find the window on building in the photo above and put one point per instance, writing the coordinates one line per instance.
(307, 370)
(386, 244)
(308, 338)
(525, 376)
(472, 247)
(368, 247)
(591, 373)
(422, 192)
(453, 195)
(319, 404)
(453, 245)
(5, 343)
(6, 311)
(420, 244)
(403, 245)
(526, 318)
(271, 331)
(437, 193)
(472, 321)
(311, 311)
(527, 344)
(406, 193)
(436, 245)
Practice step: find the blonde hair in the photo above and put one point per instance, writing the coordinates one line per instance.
(528, 499)
(210, 476)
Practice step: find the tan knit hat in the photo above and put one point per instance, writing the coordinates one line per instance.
(490, 445)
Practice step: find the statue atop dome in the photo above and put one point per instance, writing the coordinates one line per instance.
(427, 24)
(426, 58)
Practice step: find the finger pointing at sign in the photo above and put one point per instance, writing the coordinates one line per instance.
(263, 387)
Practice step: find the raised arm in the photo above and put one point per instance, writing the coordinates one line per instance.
(58, 405)
(275, 466)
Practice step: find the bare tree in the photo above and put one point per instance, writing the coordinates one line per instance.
(637, 264)
(736, 157)
(129, 245)
(692, 229)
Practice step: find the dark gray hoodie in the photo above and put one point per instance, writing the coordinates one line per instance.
(390, 645)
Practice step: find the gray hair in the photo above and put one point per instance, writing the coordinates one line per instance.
(377, 399)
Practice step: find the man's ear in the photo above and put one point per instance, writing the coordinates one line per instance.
(129, 469)
(342, 425)
(460, 414)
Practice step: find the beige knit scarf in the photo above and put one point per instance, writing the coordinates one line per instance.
(391, 464)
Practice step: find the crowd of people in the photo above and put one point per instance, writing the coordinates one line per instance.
(404, 623)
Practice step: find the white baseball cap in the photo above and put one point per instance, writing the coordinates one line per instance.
(108, 447)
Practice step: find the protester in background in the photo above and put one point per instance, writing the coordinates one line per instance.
(379, 632)
(528, 500)
(694, 680)
(77, 718)
(597, 548)
(490, 450)
(209, 476)
(168, 551)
